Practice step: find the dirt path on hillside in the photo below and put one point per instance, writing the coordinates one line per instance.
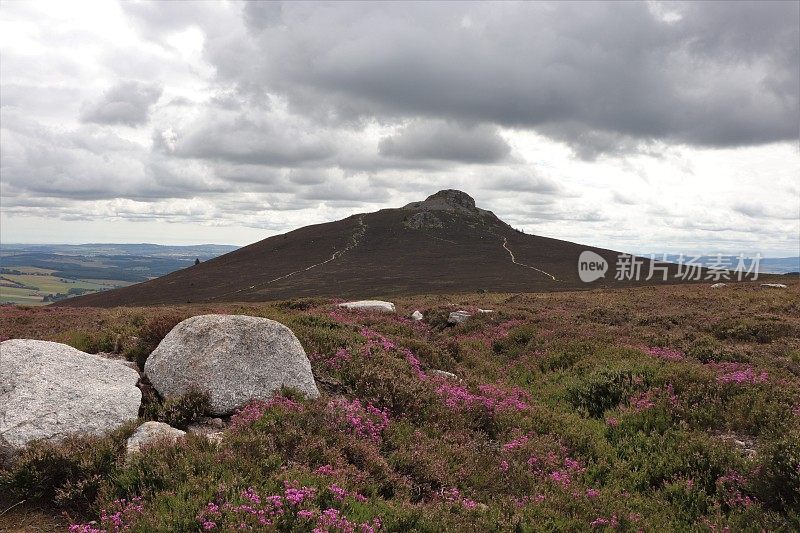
(354, 241)
(514, 260)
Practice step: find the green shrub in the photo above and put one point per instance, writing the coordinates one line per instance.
(761, 331)
(777, 477)
(91, 342)
(518, 339)
(69, 473)
(181, 411)
(604, 389)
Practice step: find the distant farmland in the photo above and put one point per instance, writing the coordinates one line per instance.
(40, 274)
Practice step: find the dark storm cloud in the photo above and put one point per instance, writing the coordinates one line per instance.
(127, 103)
(444, 141)
(709, 74)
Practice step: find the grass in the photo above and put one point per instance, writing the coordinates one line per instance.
(602, 410)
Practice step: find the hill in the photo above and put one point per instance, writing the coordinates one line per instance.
(445, 244)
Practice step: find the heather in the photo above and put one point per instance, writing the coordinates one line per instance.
(671, 407)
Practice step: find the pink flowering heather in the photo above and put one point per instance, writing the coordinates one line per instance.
(256, 409)
(121, 517)
(741, 373)
(454, 495)
(296, 495)
(338, 492)
(254, 511)
(666, 354)
(743, 376)
(375, 339)
(642, 401)
(335, 361)
(612, 422)
(599, 522)
(592, 493)
(366, 420)
(731, 486)
(325, 470)
(492, 397)
(516, 443)
(333, 520)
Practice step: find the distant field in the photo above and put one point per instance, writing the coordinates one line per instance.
(31, 289)
(30, 274)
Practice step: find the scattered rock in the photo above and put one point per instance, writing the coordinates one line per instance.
(417, 316)
(746, 444)
(370, 305)
(458, 317)
(151, 432)
(483, 311)
(774, 285)
(211, 428)
(445, 374)
(718, 285)
(423, 220)
(233, 358)
(50, 390)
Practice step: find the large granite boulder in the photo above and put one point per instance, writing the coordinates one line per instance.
(370, 305)
(50, 390)
(233, 358)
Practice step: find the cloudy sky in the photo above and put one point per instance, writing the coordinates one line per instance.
(637, 126)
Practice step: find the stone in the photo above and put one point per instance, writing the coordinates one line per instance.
(458, 317)
(484, 311)
(417, 316)
(718, 285)
(233, 358)
(445, 374)
(210, 428)
(152, 432)
(50, 390)
(370, 305)
(774, 285)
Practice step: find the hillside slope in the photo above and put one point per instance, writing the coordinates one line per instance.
(444, 244)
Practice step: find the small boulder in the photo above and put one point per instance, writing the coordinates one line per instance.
(233, 358)
(210, 428)
(774, 285)
(417, 316)
(151, 432)
(370, 305)
(445, 374)
(50, 390)
(484, 311)
(458, 317)
(718, 285)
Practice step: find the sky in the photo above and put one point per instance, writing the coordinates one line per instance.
(637, 126)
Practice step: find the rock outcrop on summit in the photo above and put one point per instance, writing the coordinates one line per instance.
(232, 358)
